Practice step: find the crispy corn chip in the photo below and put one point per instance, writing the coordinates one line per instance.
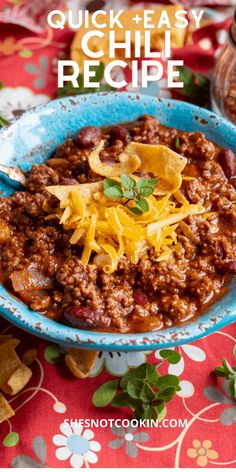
(129, 162)
(6, 410)
(29, 356)
(86, 191)
(4, 338)
(164, 163)
(9, 362)
(80, 362)
(19, 379)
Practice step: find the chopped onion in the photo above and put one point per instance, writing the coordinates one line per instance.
(24, 280)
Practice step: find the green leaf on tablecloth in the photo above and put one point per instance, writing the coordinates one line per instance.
(140, 390)
(173, 357)
(143, 389)
(52, 354)
(105, 394)
(228, 372)
(25, 53)
(11, 439)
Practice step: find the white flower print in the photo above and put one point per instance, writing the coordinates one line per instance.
(193, 352)
(14, 101)
(187, 389)
(118, 363)
(76, 445)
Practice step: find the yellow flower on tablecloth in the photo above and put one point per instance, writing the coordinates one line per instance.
(202, 452)
(8, 46)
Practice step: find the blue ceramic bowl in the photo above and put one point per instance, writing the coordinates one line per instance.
(33, 138)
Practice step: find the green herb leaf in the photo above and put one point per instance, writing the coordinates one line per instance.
(112, 188)
(111, 183)
(228, 372)
(168, 380)
(173, 357)
(142, 203)
(139, 389)
(142, 389)
(147, 372)
(127, 181)
(129, 194)
(177, 142)
(228, 367)
(232, 387)
(120, 400)
(135, 210)
(105, 394)
(220, 372)
(145, 187)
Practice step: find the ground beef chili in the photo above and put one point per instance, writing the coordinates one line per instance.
(136, 298)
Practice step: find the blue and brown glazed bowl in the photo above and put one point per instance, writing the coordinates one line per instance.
(32, 139)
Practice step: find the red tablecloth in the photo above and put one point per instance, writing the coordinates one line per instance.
(207, 437)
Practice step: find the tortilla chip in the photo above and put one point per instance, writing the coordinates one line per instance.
(80, 362)
(9, 362)
(4, 338)
(29, 356)
(163, 163)
(6, 410)
(86, 191)
(128, 163)
(19, 379)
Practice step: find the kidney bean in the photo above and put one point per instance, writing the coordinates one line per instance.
(140, 298)
(83, 167)
(84, 317)
(121, 133)
(88, 136)
(230, 266)
(68, 181)
(227, 161)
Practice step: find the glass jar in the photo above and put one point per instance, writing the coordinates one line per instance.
(223, 89)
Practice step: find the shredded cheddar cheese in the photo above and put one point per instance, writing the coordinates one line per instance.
(106, 226)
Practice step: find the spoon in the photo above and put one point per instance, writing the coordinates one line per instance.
(16, 175)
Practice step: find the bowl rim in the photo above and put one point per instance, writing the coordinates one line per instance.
(19, 314)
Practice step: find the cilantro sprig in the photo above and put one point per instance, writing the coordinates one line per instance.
(134, 192)
(229, 373)
(142, 389)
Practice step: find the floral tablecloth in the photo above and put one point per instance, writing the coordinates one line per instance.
(37, 436)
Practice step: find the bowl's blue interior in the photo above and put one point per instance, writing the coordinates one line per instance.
(34, 137)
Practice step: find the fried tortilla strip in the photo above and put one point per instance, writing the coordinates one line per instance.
(9, 362)
(80, 362)
(19, 379)
(29, 356)
(128, 163)
(86, 191)
(6, 410)
(4, 338)
(162, 162)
